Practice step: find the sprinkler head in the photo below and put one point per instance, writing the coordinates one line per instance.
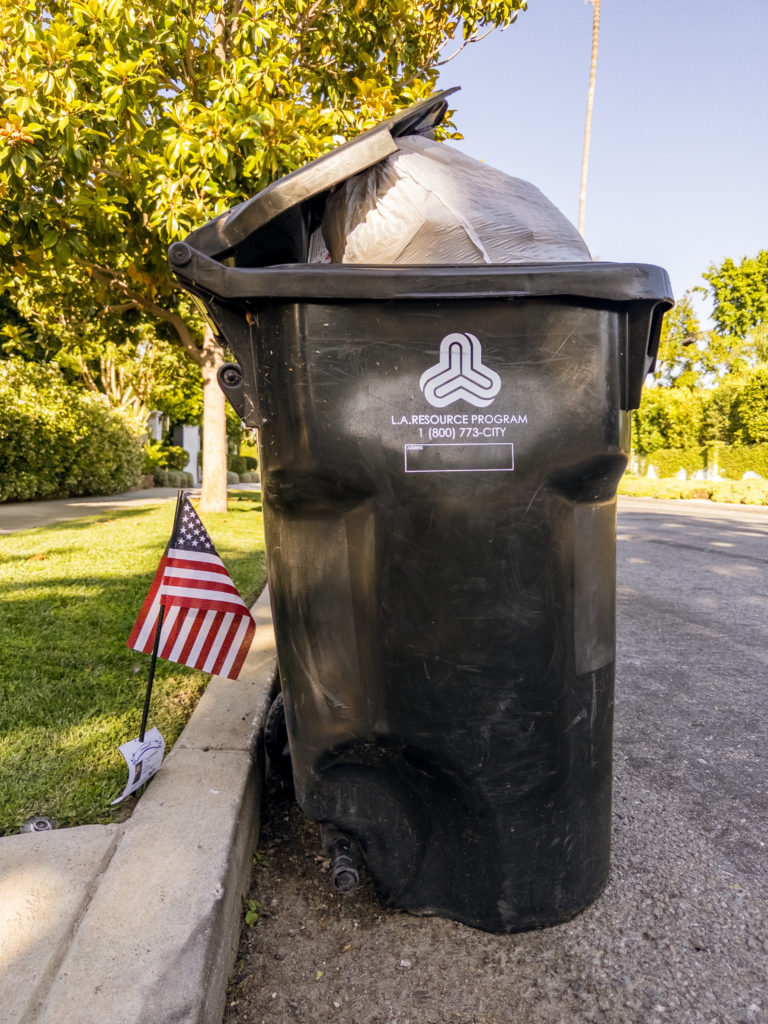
(38, 823)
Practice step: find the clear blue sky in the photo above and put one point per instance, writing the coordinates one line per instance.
(678, 172)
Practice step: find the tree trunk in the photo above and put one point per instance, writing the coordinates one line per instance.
(588, 121)
(214, 496)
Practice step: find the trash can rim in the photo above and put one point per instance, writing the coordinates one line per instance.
(614, 283)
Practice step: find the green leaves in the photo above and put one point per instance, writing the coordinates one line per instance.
(197, 108)
(691, 357)
(749, 410)
(57, 440)
(682, 358)
(253, 912)
(123, 127)
(740, 294)
(668, 418)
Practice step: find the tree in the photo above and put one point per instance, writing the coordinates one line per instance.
(740, 294)
(590, 105)
(718, 411)
(17, 336)
(682, 352)
(668, 418)
(749, 412)
(124, 127)
(691, 357)
(128, 359)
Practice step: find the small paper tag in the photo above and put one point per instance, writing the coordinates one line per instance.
(143, 759)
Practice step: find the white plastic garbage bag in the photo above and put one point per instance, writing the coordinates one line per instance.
(430, 203)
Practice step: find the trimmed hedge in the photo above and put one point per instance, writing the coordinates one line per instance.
(733, 461)
(242, 464)
(749, 412)
(668, 418)
(60, 441)
(737, 492)
(734, 412)
(669, 461)
(172, 477)
(730, 461)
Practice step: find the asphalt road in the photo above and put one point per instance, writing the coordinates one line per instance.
(692, 666)
(680, 934)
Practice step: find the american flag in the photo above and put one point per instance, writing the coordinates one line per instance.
(206, 624)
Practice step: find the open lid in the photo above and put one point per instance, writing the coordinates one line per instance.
(274, 226)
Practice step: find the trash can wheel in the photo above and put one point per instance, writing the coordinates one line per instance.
(276, 741)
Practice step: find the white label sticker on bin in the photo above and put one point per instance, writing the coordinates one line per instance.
(459, 458)
(460, 373)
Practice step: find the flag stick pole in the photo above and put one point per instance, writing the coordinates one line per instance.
(158, 630)
(151, 679)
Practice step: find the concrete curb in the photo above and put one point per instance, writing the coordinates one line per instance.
(139, 923)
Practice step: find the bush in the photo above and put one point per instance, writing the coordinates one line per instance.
(233, 478)
(668, 418)
(180, 478)
(739, 492)
(731, 461)
(749, 412)
(57, 440)
(172, 477)
(647, 487)
(718, 406)
(167, 456)
(736, 460)
(242, 464)
(669, 461)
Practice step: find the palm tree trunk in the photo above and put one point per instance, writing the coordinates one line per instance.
(590, 104)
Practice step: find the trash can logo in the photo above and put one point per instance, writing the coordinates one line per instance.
(460, 374)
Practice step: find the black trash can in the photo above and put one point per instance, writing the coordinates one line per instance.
(440, 448)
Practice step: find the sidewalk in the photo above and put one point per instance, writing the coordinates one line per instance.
(138, 923)
(25, 515)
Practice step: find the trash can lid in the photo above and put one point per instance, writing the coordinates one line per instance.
(256, 217)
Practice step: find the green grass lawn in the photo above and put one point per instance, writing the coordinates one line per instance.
(71, 691)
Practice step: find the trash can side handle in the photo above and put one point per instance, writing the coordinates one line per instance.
(641, 346)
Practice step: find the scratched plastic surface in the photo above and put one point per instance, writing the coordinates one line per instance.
(439, 479)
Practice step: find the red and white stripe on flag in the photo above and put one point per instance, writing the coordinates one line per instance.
(206, 624)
